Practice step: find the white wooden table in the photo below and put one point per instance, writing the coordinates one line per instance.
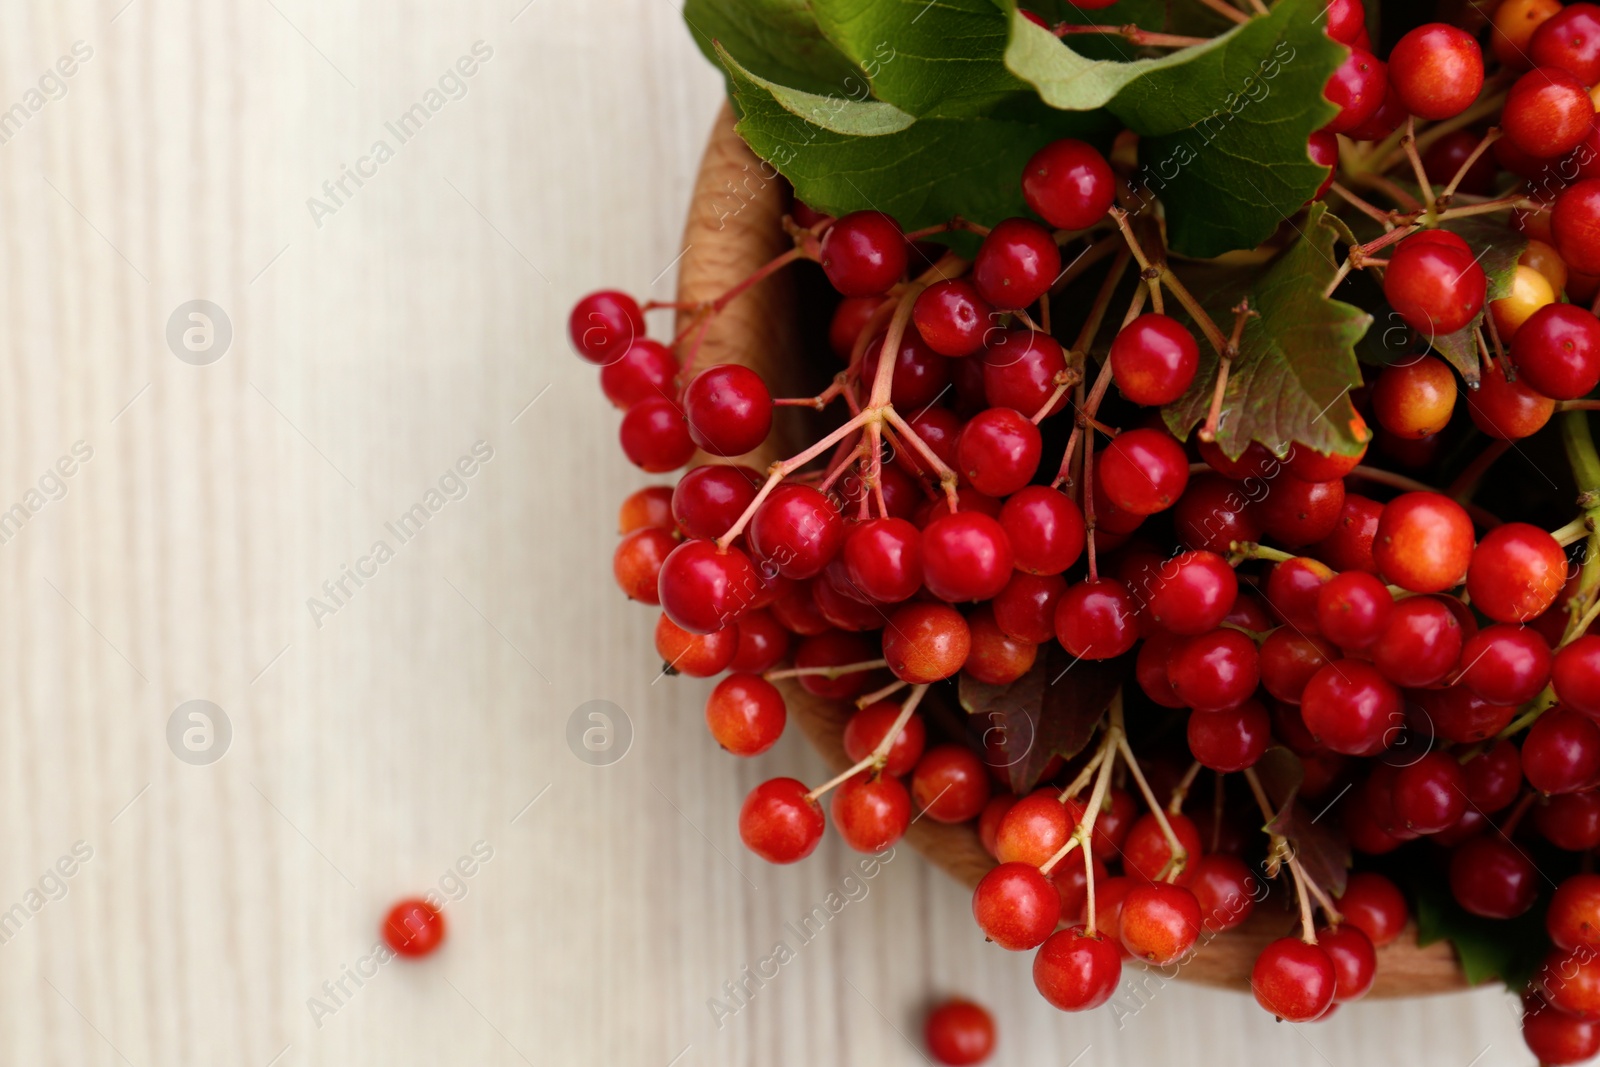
(415, 722)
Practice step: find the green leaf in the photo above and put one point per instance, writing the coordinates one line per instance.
(1498, 246)
(847, 155)
(1322, 850)
(1510, 950)
(1296, 364)
(776, 39)
(926, 57)
(1050, 711)
(1223, 125)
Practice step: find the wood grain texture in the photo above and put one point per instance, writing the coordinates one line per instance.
(430, 711)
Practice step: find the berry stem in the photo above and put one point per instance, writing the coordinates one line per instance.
(825, 672)
(1408, 144)
(1241, 315)
(1227, 11)
(879, 754)
(1368, 209)
(887, 691)
(1461, 172)
(1134, 34)
(1085, 414)
(1180, 792)
(1151, 274)
(1086, 775)
(1501, 203)
(1083, 833)
(947, 477)
(1086, 494)
(1179, 855)
(1574, 531)
(778, 471)
(1239, 551)
(1084, 260)
(707, 312)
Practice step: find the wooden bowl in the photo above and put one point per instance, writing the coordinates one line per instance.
(733, 228)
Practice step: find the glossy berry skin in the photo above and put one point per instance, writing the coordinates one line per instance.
(1355, 961)
(864, 731)
(1232, 739)
(926, 642)
(1015, 264)
(1034, 829)
(1146, 853)
(655, 437)
(1517, 572)
(779, 822)
(849, 320)
(1424, 542)
(1547, 112)
(1556, 1038)
(696, 655)
(1569, 821)
(797, 530)
(1143, 471)
(1414, 399)
(1153, 359)
(1570, 981)
(1562, 752)
(636, 564)
(1160, 923)
(1293, 980)
(959, 1033)
(1575, 226)
(1558, 351)
(1492, 878)
(1576, 675)
(1573, 918)
(1214, 671)
(951, 317)
(1570, 40)
(1375, 905)
(1020, 369)
(1069, 184)
(1292, 589)
(1430, 794)
(1193, 592)
(864, 253)
(1097, 619)
(1298, 512)
(604, 325)
(1436, 70)
(883, 557)
(965, 556)
(645, 370)
(1150, 668)
(762, 642)
(728, 409)
(950, 783)
(1444, 158)
(1213, 513)
(1015, 906)
(708, 500)
(998, 451)
(1045, 529)
(1026, 608)
(1351, 708)
(647, 507)
(1077, 971)
(1508, 411)
(702, 589)
(1353, 609)
(1460, 715)
(1435, 288)
(996, 658)
(919, 376)
(1357, 87)
(746, 714)
(871, 811)
(413, 928)
(1226, 890)
(1505, 664)
(1289, 659)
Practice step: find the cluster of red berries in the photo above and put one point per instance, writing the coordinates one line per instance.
(924, 537)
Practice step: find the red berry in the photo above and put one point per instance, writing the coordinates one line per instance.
(864, 253)
(1494, 777)
(920, 374)
(1558, 351)
(1097, 619)
(797, 530)
(1351, 708)
(1576, 675)
(1034, 829)
(637, 563)
(1570, 981)
(1353, 609)
(849, 321)
(1346, 21)
(1357, 87)
(1460, 715)
(1561, 753)
(745, 714)
(1436, 70)
(604, 325)
(708, 500)
(779, 822)
(1231, 739)
(762, 642)
(871, 810)
(883, 557)
(1573, 918)
(926, 642)
(959, 1033)
(697, 655)
(1288, 660)
(728, 409)
(650, 506)
(965, 556)
(655, 437)
(1508, 411)
(1322, 147)
(1575, 226)
(643, 371)
(1292, 589)
(1015, 906)
(1490, 876)
(996, 657)
(1505, 664)
(1547, 112)
(1016, 264)
(1213, 513)
(1153, 359)
(1045, 529)
(1076, 971)
(950, 783)
(1143, 471)
(1373, 904)
(1355, 961)
(1026, 607)
(1424, 542)
(1516, 573)
(1160, 923)
(1414, 399)
(864, 732)
(1020, 368)
(1214, 671)
(1309, 465)
(1349, 546)
(1435, 288)
(1554, 1037)
(1193, 592)
(951, 317)
(703, 589)
(1294, 980)
(1430, 794)
(1569, 40)
(1226, 889)
(998, 452)
(1443, 159)
(1068, 183)
(1147, 855)
(414, 928)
